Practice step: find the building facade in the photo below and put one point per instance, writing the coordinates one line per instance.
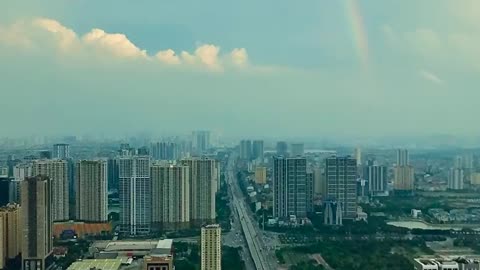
(61, 151)
(297, 149)
(91, 191)
(10, 233)
(200, 141)
(282, 148)
(246, 149)
(261, 175)
(456, 179)
(211, 247)
(289, 187)
(376, 176)
(204, 176)
(340, 174)
(57, 171)
(404, 174)
(164, 151)
(135, 195)
(170, 197)
(258, 150)
(37, 223)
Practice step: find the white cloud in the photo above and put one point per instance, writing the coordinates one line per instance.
(239, 57)
(168, 57)
(44, 32)
(117, 44)
(430, 76)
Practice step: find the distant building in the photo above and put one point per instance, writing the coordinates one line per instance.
(475, 179)
(289, 187)
(404, 178)
(319, 183)
(10, 233)
(246, 149)
(45, 154)
(257, 150)
(61, 151)
(91, 191)
(211, 247)
(282, 148)
(333, 212)
(403, 158)
(170, 196)
(297, 149)
(376, 176)
(310, 192)
(36, 220)
(135, 195)
(357, 153)
(260, 175)
(455, 179)
(112, 171)
(341, 176)
(204, 181)
(57, 171)
(200, 141)
(4, 191)
(436, 264)
(165, 151)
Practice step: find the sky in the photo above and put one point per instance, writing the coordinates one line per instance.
(248, 67)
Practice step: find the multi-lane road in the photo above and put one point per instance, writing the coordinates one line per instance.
(260, 254)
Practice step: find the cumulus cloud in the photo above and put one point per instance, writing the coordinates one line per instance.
(117, 45)
(430, 76)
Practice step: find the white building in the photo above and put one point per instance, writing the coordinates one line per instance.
(211, 247)
(61, 151)
(135, 194)
(455, 179)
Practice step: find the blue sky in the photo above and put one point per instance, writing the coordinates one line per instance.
(278, 68)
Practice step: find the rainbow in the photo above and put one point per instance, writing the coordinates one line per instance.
(359, 33)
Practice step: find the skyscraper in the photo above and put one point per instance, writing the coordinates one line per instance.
(246, 149)
(403, 157)
(112, 168)
(340, 173)
(164, 151)
(310, 191)
(289, 187)
(200, 141)
(376, 176)
(282, 149)
(211, 247)
(455, 179)
(170, 196)
(10, 233)
(319, 183)
(91, 190)
(257, 150)
(358, 156)
(404, 173)
(297, 149)
(58, 172)
(135, 194)
(61, 151)
(204, 180)
(36, 219)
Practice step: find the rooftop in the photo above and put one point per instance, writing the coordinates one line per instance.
(103, 264)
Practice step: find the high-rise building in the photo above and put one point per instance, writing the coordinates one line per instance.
(403, 173)
(376, 176)
(404, 178)
(246, 149)
(289, 187)
(297, 149)
(170, 196)
(164, 151)
(22, 170)
(10, 233)
(91, 191)
(260, 175)
(112, 168)
(36, 220)
(61, 151)
(57, 171)
(257, 150)
(211, 247)
(45, 154)
(310, 191)
(402, 157)
(14, 191)
(200, 141)
(357, 153)
(282, 148)
(340, 174)
(204, 180)
(455, 179)
(319, 183)
(4, 191)
(135, 195)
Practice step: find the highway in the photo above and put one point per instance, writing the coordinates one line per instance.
(251, 231)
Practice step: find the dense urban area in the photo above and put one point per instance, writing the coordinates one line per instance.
(200, 202)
